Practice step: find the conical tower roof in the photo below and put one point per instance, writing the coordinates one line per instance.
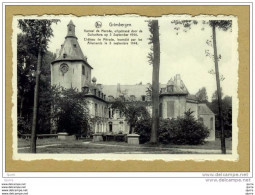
(71, 50)
(71, 22)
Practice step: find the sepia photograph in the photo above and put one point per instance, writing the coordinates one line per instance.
(125, 87)
(127, 97)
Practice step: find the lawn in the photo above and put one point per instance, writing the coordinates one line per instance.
(53, 145)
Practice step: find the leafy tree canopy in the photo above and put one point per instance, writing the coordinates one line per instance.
(202, 95)
(38, 33)
(133, 111)
(221, 24)
(70, 112)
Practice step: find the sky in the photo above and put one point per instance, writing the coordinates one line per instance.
(182, 54)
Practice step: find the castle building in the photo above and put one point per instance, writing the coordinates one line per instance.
(71, 70)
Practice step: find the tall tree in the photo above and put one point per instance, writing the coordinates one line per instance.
(25, 70)
(154, 59)
(26, 61)
(224, 25)
(38, 33)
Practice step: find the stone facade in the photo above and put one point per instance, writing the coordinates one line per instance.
(71, 69)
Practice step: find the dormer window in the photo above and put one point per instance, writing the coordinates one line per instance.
(95, 92)
(85, 89)
(64, 55)
(74, 45)
(70, 28)
(170, 88)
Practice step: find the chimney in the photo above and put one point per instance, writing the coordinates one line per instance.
(57, 53)
(178, 79)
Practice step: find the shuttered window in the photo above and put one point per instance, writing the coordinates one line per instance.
(170, 109)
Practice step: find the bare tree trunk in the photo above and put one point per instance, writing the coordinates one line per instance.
(155, 82)
(130, 129)
(21, 106)
(35, 108)
(223, 147)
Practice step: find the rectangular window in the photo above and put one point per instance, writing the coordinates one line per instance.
(143, 97)
(83, 70)
(170, 109)
(95, 109)
(170, 88)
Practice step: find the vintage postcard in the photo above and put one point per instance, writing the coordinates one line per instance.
(125, 87)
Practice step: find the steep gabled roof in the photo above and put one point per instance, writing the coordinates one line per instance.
(192, 98)
(203, 109)
(178, 87)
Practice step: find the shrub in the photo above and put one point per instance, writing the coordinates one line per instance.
(23, 126)
(168, 130)
(143, 128)
(185, 130)
(190, 131)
